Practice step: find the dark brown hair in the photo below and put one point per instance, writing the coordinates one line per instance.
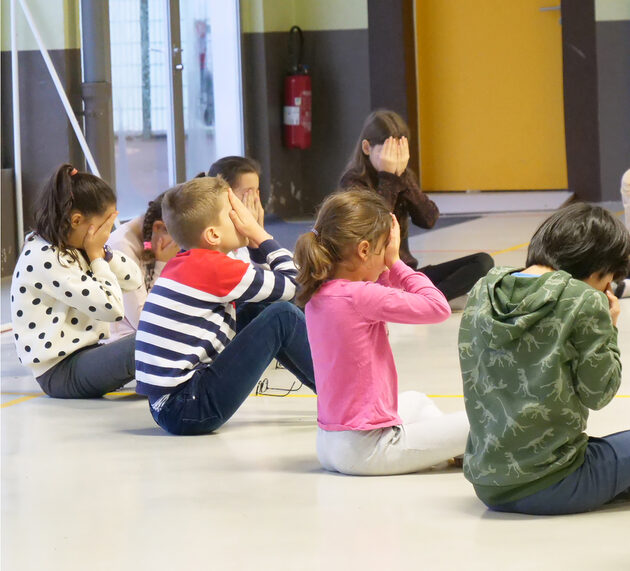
(63, 193)
(581, 239)
(153, 214)
(230, 168)
(344, 219)
(377, 128)
(188, 209)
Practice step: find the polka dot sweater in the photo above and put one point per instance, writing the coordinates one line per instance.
(59, 305)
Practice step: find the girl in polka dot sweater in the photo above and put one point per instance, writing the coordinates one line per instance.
(67, 288)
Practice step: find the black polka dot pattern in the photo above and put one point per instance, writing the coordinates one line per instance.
(49, 311)
(48, 345)
(88, 328)
(41, 335)
(47, 265)
(19, 313)
(85, 292)
(123, 259)
(127, 277)
(101, 336)
(119, 318)
(38, 285)
(55, 319)
(32, 325)
(61, 353)
(108, 306)
(35, 360)
(22, 289)
(56, 283)
(27, 348)
(74, 321)
(36, 301)
(27, 252)
(75, 340)
(83, 278)
(68, 294)
(92, 308)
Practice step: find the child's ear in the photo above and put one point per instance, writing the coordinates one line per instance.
(365, 146)
(363, 250)
(76, 218)
(158, 228)
(211, 236)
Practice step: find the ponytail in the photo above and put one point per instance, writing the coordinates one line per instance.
(344, 220)
(316, 265)
(65, 191)
(153, 214)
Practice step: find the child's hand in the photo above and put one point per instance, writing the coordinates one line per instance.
(260, 218)
(165, 248)
(96, 238)
(403, 155)
(245, 222)
(388, 157)
(613, 303)
(251, 200)
(393, 246)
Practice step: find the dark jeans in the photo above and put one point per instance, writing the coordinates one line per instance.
(214, 393)
(604, 476)
(92, 371)
(458, 276)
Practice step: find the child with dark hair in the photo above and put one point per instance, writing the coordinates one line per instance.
(538, 348)
(192, 361)
(243, 176)
(67, 287)
(146, 241)
(379, 163)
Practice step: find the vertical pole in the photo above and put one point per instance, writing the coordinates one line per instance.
(17, 141)
(176, 136)
(146, 69)
(97, 85)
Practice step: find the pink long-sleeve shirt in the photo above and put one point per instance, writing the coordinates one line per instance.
(355, 374)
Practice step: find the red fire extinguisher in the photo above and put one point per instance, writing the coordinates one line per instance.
(297, 96)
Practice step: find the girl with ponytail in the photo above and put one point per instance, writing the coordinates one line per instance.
(147, 242)
(67, 287)
(352, 283)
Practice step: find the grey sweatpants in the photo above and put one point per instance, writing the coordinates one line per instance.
(92, 371)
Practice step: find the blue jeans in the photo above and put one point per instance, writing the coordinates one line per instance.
(604, 475)
(214, 393)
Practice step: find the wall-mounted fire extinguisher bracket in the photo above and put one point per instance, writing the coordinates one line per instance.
(297, 118)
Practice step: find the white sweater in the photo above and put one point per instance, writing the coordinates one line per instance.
(125, 240)
(59, 305)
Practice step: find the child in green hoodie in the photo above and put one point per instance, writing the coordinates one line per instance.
(538, 348)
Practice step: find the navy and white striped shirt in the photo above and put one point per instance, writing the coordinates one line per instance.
(189, 316)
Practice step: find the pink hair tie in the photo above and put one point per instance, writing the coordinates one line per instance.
(147, 245)
(73, 172)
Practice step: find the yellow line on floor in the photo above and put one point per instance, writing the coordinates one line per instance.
(510, 249)
(21, 399)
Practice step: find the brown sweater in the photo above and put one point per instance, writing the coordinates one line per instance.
(404, 197)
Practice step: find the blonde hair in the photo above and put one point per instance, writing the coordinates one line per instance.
(188, 209)
(344, 219)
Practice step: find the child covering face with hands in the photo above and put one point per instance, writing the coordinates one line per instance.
(67, 287)
(191, 362)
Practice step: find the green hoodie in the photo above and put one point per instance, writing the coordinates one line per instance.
(535, 354)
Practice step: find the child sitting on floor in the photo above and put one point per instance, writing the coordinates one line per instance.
(538, 348)
(365, 426)
(194, 367)
(67, 288)
(145, 241)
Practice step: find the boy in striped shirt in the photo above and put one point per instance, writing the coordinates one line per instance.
(190, 362)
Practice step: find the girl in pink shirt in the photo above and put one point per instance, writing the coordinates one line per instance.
(352, 283)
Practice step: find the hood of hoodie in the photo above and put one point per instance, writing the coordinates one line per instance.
(511, 305)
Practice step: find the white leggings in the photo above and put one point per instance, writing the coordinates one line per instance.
(427, 437)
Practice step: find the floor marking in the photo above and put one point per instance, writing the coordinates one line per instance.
(510, 249)
(21, 399)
